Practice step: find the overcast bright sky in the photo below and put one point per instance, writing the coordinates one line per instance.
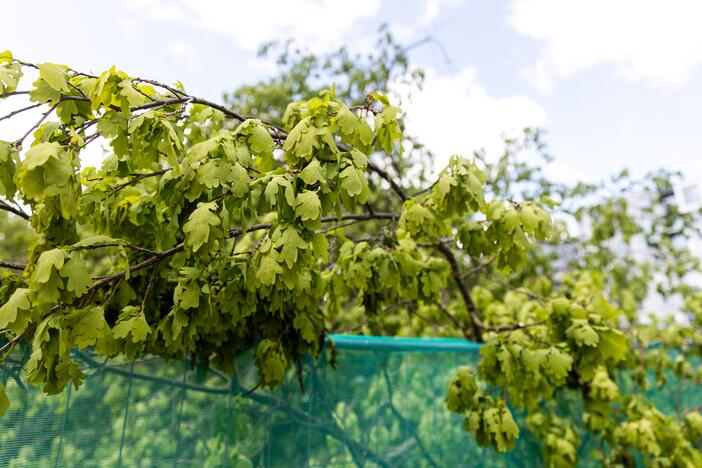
(615, 83)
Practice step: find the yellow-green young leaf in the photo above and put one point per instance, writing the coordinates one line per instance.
(88, 326)
(308, 206)
(211, 173)
(14, 313)
(187, 295)
(354, 183)
(268, 267)
(387, 129)
(271, 362)
(500, 423)
(419, 221)
(56, 76)
(4, 401)
(198, 228)
(10, 73)
(582, 333)
(602, 387)
(558, 364)
(289, 241)
(135, 328)
(77, 275)
(49, 261)
(128, 91)
(96, 240)
(39, 154)
(239, 181)
(273, 188)
(306, 328)
(9, 156)
(693, 423)
(613, 344)
(312, 173)
(200, 150)
(260, 141)
(346, 120)
(301, 141)
(47, 171)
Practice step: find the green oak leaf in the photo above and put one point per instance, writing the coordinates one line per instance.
(15, 312)
(268, 267)
(239, 181)
(312, 173)
(76, 272)
(135, 328)
(582, 333)
(198, 228)
(290, 243)
(308, 206)
(49, 261)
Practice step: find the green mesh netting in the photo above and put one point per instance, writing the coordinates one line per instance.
(383, 405)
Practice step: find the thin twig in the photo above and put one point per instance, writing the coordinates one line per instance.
(7, 207)
(19, 141)
(523, 291)
(149, 287)
(19, 111)
(115, 287)
(516, 326)
(138, 178)
(13, 93)
(454, 319)
(11, 344)
(479, 267)
(13, 265)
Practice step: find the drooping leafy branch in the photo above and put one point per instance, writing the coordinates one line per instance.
(209, 232)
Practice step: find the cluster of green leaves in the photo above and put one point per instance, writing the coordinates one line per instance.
(487, 418)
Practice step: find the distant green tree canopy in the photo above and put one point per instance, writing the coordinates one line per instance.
(300, 208)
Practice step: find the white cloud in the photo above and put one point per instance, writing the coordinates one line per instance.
(454, 114)
(432, 10)
(658, 41)
(319, 24)
(181, 51)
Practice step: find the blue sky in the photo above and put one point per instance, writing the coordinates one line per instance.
(616, 84)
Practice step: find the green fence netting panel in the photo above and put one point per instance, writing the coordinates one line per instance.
(382, 405)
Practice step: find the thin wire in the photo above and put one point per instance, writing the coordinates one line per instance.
(180, 409)
(63, 427)
(126, 413)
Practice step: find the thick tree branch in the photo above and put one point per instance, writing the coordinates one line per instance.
(7, 207)
(467, 299)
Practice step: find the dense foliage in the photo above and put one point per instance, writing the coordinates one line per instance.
(207, 232)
